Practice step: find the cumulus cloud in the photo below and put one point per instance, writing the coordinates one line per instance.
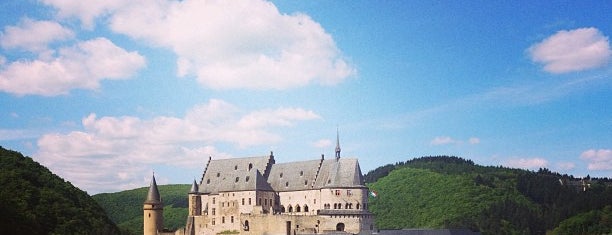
(527, 163)
(34, 36)
(572, 50)
(600, 159)
(86, 11)
(228, 44)
(446, 140)
(81, 66)
(112, 153)
(322, 143)
(442, 140)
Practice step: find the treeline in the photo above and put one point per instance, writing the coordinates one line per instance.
(35, 201)
(493, 200)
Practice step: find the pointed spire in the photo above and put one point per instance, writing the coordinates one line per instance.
(153, 195)
(194, 187)
(337, 144)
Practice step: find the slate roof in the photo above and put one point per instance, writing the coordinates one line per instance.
(261, 173)
(153, 196)
(236, 174)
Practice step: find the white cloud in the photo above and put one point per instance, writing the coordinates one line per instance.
(322, 143)
(229, 44)
(565, 166)
(600, 159)
(112, 153)
(573, 50)
(442, 140)
(446, 140)
(527, 163)
(86, 11)
(34, 36)
(82, 66)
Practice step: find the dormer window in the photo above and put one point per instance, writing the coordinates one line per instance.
(281, 175)
(250, 166)
(247, 179)
(218, 174)
(236, 167)
(301, 173)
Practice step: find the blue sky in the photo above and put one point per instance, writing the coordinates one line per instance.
(103, 93)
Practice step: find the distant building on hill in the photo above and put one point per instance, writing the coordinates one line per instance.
(256, 195)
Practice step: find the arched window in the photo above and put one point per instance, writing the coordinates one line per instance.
(305, 208)
(282, 209)
(335, 205)
(297, 208)
(357, 206)
(246, 225)
(339, 205)
(347, 206)
(340, 227)
(290, 208)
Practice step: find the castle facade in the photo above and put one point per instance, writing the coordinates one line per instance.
(256, 195)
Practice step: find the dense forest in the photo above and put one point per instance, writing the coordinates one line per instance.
(36, 201)
(450, 192)
(125, 207)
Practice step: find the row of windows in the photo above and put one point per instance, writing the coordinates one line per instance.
(339, 206)
(223, 220)
(297, 208)
(338, 192)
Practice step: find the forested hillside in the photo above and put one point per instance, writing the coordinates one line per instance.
(35, 201)
(125, 207)
(450, 192)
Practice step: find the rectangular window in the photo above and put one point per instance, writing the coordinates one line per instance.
(243, 201)
(223, 220)
(337, 193)
(249, 201)
(349, 193)
(213, 211)
(232, 219)
(213, 200)
(213, 221)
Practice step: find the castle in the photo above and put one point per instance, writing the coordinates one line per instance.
(256, 195)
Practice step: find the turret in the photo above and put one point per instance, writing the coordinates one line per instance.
(153, 209)
(195, 204)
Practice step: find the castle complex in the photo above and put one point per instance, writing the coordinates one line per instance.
(256, 195)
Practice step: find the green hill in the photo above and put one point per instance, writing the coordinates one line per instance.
(36, 201)
(450, 192)
(125, 207)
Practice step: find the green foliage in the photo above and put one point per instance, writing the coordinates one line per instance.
(451, 192)
(36, 201)
(592, 222)
(125, 207)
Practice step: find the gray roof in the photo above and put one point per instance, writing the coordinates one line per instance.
(236, 174)
(194, 187)
(261, 173)
(153, 196)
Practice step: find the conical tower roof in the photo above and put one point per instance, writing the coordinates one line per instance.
(194, 188)
(153, 196)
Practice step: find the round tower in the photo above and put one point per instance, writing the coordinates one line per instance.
(153, 211)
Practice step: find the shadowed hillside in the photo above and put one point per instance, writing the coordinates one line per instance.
(36, 201)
